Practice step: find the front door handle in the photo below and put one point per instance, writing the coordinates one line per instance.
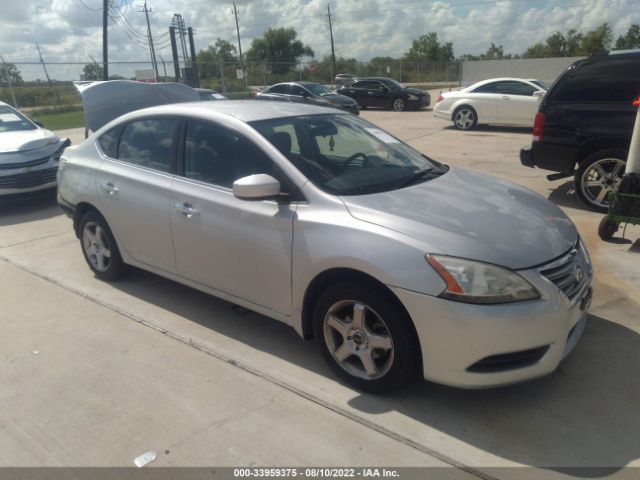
(186, 209)
(110, 188)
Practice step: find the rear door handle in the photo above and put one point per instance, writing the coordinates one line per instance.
(110, 188)
(186, 209)
(505, 97)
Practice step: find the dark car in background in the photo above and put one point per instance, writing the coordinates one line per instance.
(343, 79)
(584, 123)
(385, 93)
(308, 92)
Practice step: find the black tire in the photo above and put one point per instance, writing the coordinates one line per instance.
(607, 228)
(398, 366)
(471, 118)
(609, 159)
(398, 104)
(112, 267)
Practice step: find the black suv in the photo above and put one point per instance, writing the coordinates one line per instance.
(584, 123)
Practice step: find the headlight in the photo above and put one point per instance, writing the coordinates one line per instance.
(476, 282)
(413, 97)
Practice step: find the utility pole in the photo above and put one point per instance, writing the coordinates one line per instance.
(194, 63)
(7, 73)
(165, 68)
(46, 74)
(333, 52)
(105, 46)
(174, 52)
(235, 12)
(151, 49)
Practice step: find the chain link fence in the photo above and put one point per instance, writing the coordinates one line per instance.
(50, 85)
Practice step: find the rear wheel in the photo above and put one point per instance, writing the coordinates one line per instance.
(465, 118)
(366, 338)
(99, 247)
(598, 175)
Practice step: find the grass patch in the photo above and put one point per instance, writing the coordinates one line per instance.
(61, 121)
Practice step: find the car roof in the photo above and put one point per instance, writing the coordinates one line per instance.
(244, 110)
(503, 79)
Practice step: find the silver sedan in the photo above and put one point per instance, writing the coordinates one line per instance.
(398, 265)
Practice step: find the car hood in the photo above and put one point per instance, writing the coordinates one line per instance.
(415, 91)
(106, 101)
(26, 140)
(474, 216)
(339, 99)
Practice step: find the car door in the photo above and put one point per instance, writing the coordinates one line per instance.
(516, 105)
(135, 190)
(358, 91)
(299, 94)
(238, 247)
(485, 102)
(378, 94)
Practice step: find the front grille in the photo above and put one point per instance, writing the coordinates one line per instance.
(570, 272)
(30, 163)
(509, 361)
(29, 179)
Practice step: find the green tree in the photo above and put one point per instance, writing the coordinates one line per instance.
(93, 71)
(280, 48)
(556, 45)
(209, 59)
(573, 41)
(494, 52)
(630, 40)
(597, 41)
(537, 50)
(10, 73)
(427, 48)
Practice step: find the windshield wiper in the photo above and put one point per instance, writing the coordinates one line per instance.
(420, 174)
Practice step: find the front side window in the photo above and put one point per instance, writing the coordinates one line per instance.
(149, 143)
(318, 89)
(12, 120)
(218, 155)
(347, 156)
(297, 90)
(282, 88)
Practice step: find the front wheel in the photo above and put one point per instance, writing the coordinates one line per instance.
(599, 174)
(366, 338)
(398, 105)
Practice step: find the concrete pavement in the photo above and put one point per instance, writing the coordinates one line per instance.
(147, 364)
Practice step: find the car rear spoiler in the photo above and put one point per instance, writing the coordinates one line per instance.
(108, 100)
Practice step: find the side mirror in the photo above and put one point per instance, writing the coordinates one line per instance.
(539, 94)
(256, 187)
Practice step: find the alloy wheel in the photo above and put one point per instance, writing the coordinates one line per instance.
(398, 105)
(464, 119)
(600, 179)
(96, 246)
(358, 339)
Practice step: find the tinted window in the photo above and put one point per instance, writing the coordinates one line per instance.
(365, 84)
(515, 88)
(487, 88)
(108, 142)
(278, 89)
(616, 80)
(149, 143)
(296, 90)
(220, 156)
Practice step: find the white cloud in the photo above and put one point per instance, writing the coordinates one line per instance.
(67, 31)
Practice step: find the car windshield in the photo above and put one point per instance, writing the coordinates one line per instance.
(541, 84)
(318, 89)
(389, 82)
(11, 120)
(345, 155)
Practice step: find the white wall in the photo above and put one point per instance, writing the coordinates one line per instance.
(546, 69)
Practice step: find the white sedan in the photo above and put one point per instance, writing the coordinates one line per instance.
(497, 101)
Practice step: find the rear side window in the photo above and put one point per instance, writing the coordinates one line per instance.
(149, 143)
(108, 142)
(516, 88)
(613, 80)
(487, 88)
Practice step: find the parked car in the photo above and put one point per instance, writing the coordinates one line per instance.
(584, 124)
(29, 154)
(385, 93)
(208, 95)
(344, 79)
(308, 92)
(497, 101)
(399, 265)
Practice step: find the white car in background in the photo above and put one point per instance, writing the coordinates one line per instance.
(29, 154)
(497, 101)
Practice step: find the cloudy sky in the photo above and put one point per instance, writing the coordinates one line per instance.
(71, 30)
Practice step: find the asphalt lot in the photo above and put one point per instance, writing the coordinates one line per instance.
(95, 374)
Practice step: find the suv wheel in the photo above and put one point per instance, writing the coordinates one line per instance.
(465, 118)
(99, 247)
(366, 338)
(599, 174)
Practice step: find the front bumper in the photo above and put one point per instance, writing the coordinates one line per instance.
(30, 181)
(420, 103)
(355, 109)
(481, 346)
